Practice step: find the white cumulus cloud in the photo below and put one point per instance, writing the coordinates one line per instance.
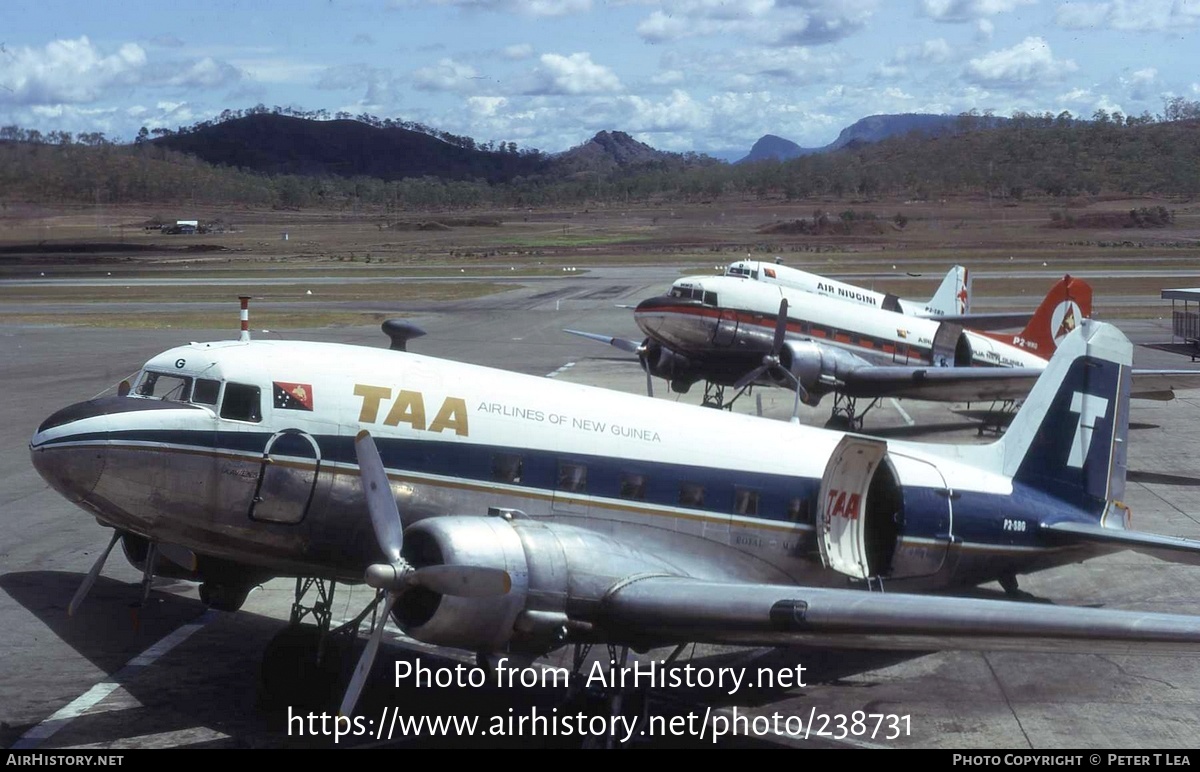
(1130, 15)
(1028, 63)
(71, 71)
(969, 10)
(574, 74)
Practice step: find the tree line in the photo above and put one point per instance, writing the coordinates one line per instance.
(1029, 155)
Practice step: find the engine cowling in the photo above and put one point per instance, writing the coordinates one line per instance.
(553, 568)
(818, 368)
(480, 624)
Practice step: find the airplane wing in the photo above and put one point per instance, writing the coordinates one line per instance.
(976, 384)
(669, 609)
(941, 384)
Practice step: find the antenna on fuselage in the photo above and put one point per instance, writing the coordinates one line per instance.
(245, 337)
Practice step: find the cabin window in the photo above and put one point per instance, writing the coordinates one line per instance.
(691, 495)
(633, 486)
(745, 502)
(799, 511)
(572, 477)
(242, 403)
(173, 388)
(507, 467)
(206, 391)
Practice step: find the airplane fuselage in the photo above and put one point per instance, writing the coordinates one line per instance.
(257, 466)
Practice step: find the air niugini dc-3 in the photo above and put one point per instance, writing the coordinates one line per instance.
(498, 512)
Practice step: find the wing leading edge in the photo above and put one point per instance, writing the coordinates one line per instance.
(667, 610)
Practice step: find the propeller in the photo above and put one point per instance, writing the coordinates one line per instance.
(630, 346)
(770, 361)
(398, 575)
(92, 575)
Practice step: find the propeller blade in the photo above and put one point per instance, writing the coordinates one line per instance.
(621, 343)
(385, 517)
(90, 579)
(462, 581)
(780, 327)
(649, 377)
(363, 669)
(751, 376)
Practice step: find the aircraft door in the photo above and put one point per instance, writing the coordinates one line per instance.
(869, 526)
(726, 328)
(287, 477)
(841, 532)
(945, 344)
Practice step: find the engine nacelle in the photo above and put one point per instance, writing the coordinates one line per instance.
(554, 568)
(817, 367)
(478, 624)
(225, 584)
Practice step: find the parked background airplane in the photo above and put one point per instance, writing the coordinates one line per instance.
(950, 303)
(953, 295)
(567, 514)
(727, 331)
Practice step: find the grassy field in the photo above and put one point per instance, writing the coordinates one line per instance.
(990, 238)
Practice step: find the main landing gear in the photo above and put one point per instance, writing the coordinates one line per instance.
(307, 664)
(714, 396)
(845, 415)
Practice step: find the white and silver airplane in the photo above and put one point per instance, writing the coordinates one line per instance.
(727, 331)
(500, 512)
(952, 298)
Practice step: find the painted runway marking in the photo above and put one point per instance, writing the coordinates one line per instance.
(560, 370)
(903, 413)
(88, 699)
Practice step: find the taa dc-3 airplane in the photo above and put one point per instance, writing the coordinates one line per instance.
(499, 512)
(728, 331)
(952, 298)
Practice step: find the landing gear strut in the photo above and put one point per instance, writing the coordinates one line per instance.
(714, 396)
(614, 699)
(845, 413)
(305, 664)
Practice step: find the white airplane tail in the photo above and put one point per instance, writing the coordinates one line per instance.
(953, 296)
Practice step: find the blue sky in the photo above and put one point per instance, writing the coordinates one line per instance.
(704, 75)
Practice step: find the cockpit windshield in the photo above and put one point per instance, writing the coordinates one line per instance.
(740, 270)
(167, 386)
(694, 293)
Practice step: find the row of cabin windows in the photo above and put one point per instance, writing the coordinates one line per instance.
(572, 478)
(242, 402)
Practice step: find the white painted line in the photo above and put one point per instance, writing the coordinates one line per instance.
(560, 370)
(88, 699)
(907, 418)
(180, 738)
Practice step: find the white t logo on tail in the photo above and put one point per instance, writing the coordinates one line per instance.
(1089, 407)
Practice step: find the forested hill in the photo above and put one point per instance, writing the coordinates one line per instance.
(282, 144)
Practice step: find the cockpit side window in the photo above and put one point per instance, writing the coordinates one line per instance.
(206, 391)
(167, 386)
(710, 299)
(242, 402)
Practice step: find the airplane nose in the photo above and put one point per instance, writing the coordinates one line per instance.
(73, 472)
(61, 453)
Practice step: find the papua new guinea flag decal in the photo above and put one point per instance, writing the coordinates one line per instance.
(293, 396)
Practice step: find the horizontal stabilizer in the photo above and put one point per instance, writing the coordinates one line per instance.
(1150, 381)
(677, 609)
(1169, 548)
(997, 321)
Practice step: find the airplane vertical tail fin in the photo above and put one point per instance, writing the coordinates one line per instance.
(1066, 304)
(1068, 439)
(953, 296)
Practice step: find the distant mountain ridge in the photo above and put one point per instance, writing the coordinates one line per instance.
(873, 128)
